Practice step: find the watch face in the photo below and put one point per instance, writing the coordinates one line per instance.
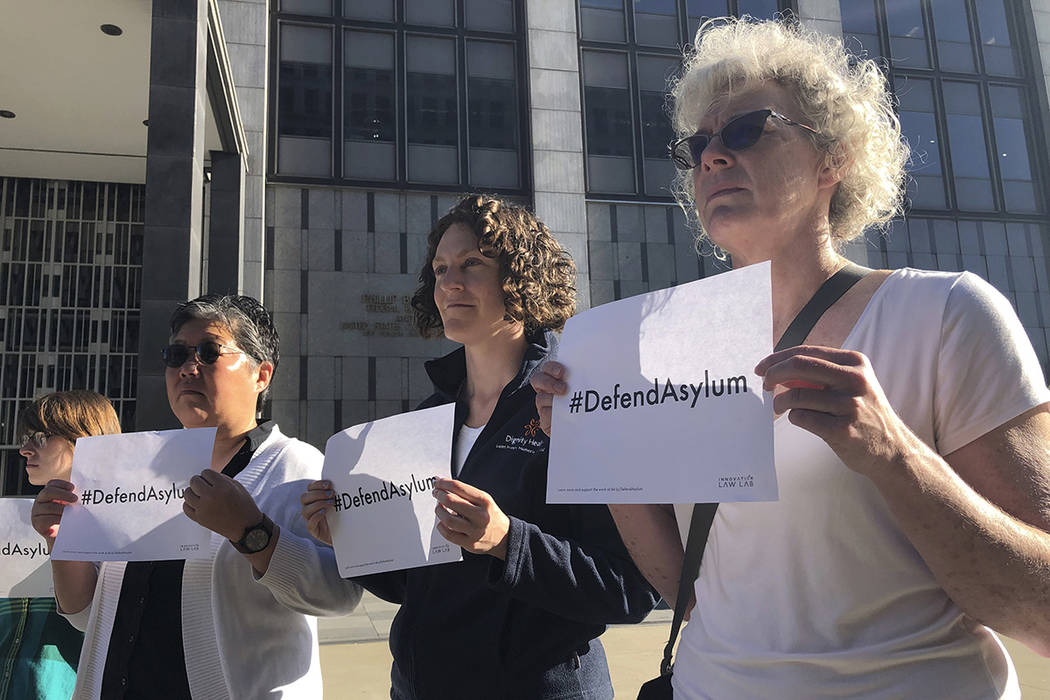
(256, 540)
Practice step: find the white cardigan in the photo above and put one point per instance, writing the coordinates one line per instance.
(244, 637)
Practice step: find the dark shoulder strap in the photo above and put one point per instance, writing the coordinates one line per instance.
(704, 513)
(699, 528)
(830, 292)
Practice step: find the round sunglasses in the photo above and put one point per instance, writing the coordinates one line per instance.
(207, 352)
(738, 134)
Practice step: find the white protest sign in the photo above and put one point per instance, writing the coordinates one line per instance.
(663, 404)
(130, 488)
(25, 570)
(383, 473)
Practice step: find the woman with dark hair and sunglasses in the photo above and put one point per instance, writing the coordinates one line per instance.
(519, 617)
(240, 622)
(40, 649)
(914, 459)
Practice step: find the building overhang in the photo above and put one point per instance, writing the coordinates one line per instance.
(80, 96)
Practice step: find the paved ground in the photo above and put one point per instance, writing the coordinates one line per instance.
(355, 659)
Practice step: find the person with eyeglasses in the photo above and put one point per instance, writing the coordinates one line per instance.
(39, 650)
(520, 616)
(912, 437)
(239, 624)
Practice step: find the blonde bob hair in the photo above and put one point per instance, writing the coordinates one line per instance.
(845, 98)
(68, 414)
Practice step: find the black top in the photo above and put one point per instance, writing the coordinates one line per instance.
(148, 660)
(527, 626)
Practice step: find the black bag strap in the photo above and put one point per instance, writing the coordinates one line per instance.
(830, 292)
(699, 528)
(704, 513)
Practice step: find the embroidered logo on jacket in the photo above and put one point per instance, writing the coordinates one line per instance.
(528, 442)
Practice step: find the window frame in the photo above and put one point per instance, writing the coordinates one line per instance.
(1037, 117)
(339, 25)
(633, 50)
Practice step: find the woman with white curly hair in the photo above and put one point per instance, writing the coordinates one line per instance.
(914, 457)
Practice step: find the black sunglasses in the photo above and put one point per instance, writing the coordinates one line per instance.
(740, 133)
(207, 352)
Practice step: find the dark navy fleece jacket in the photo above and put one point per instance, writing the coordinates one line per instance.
(526, 627)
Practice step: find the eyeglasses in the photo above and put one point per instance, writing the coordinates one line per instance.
(740, 133)
(37, 440)
(207, 352)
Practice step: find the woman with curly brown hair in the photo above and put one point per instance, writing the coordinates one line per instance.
(538, 583)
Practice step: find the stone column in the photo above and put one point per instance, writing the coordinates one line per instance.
(246, 26)
(226, 235)
(557, 130)
(171, 258)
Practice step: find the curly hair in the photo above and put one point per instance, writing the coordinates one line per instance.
(537, 275)
(846, 99)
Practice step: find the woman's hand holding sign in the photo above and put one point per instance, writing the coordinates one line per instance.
(74, 580)
(468, 517)
(221, 504)
(548, 383)
(316, 501)
(48, 507)
(835, 395)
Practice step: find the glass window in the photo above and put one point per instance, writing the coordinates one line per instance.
(656, 22)
(973, 37)
(305, 101)
(492, 122)
(610, 135)
(374, 10)
(760, 9)
(700, 10)
(907, 36)
(432, 110)
(490, 15)
(919, 126)
(973, 183)
(369, 108)
(409, 101)
(1011, 145)
(653, 73)
(954, 44)
(626, 122)
(860, 29)
(307, 7)
(434, 13)
(602, 20)
(996, 45)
